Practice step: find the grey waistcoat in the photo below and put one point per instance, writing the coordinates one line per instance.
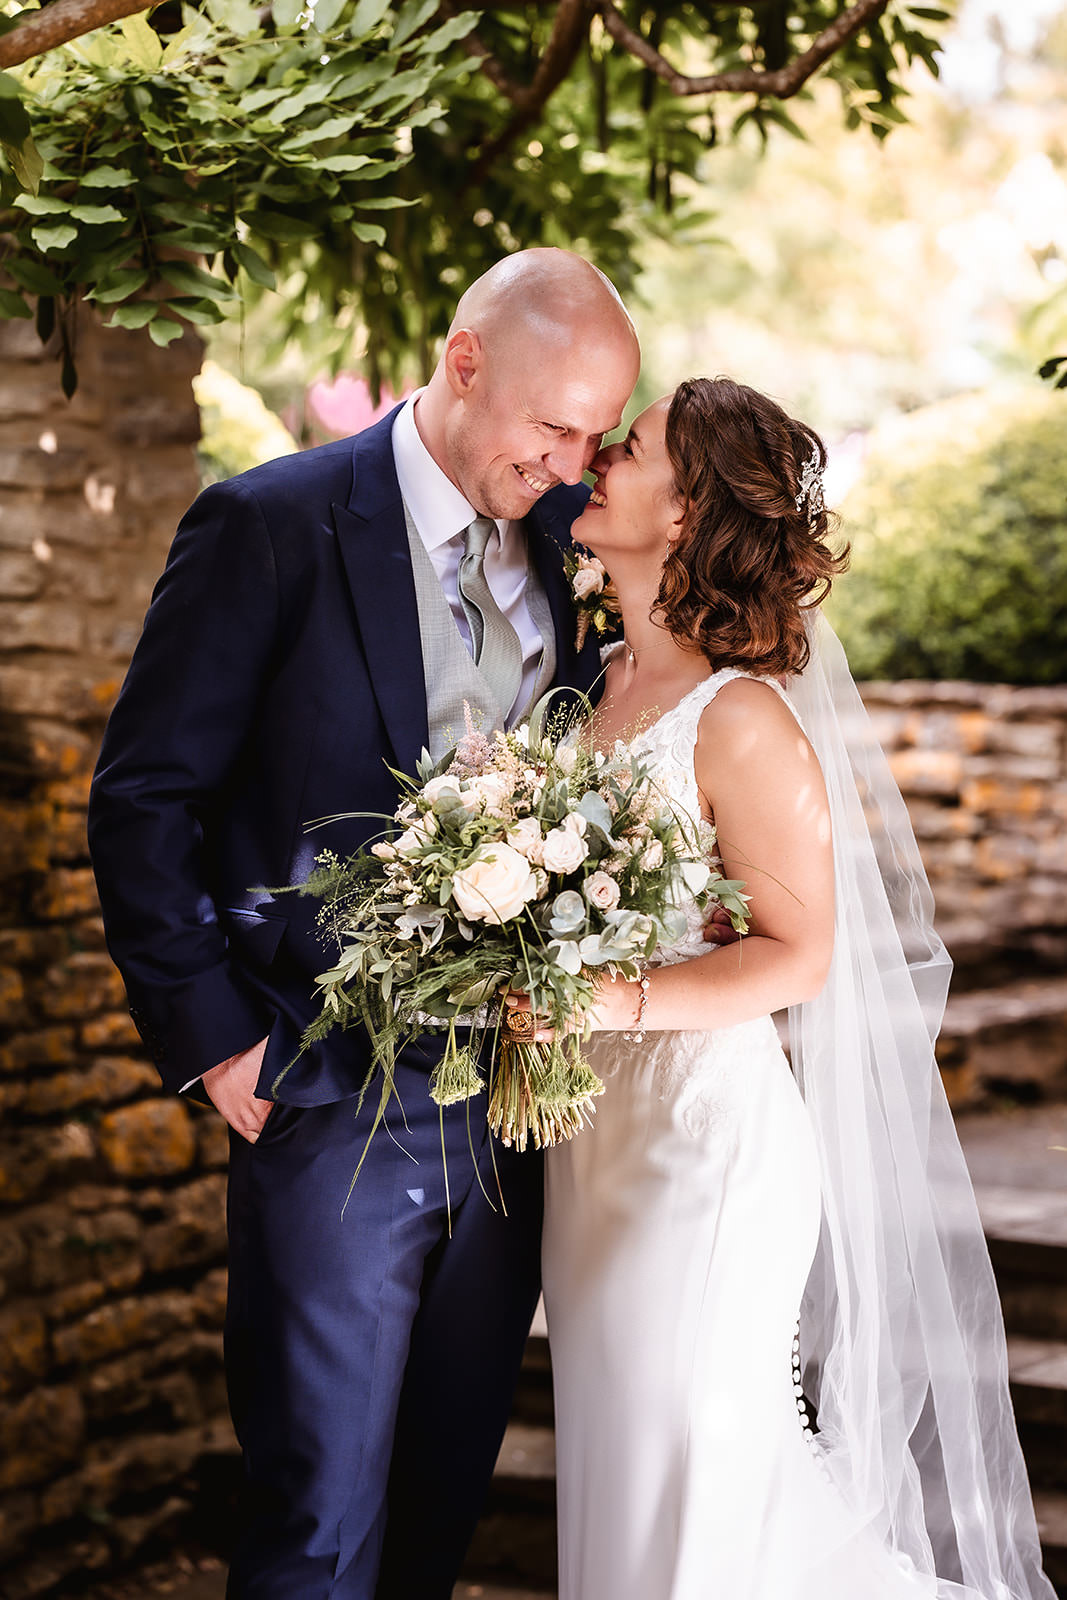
(449, 669)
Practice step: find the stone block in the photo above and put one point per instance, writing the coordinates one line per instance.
(12, 997)
(84, 985)
(122, 1325)
(65, 893)
(111, 1032)
(65, 1249)
(1040, 739)
(23, 1348)
(50, 689)
(40, 1434)
(927, 772)
(25, 837)
(19, 1518)
(149, 1140)
(22, 577)
(1008, 797)
(47, 1047)
(31, 467)
(210, 1299)
(63, 757)
(194, 1233)
(933, 820)
(37, 1159)
(42, 625)
(103, 1082)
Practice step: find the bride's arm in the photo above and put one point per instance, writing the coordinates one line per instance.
(760, 779)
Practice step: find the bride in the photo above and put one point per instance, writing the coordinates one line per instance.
(708, 1448)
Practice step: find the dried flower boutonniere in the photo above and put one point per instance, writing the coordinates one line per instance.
(593, 594)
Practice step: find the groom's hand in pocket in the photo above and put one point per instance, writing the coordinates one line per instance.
(231, 1087)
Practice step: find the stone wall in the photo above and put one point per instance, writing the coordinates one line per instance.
(112, 1413)
(111, 1198)
(984, 771)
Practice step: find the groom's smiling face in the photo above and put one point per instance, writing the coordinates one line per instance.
(532, 414)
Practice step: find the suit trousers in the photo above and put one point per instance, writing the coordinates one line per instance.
(371, 1356)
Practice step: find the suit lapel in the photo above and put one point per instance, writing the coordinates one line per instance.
(373, 542)
(548, 534)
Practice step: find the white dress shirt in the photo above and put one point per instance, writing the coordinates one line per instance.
(442, 515)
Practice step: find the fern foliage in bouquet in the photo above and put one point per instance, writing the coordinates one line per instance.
(524, 861)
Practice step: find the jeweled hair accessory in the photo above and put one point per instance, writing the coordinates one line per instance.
(810, 492)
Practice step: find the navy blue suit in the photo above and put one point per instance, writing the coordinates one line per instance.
(370, 1358)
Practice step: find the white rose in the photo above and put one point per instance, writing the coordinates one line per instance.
(383, 850)
(601, 891)
(495, 886)
(574, 822)
(566, 758)
(526, 837)
(587, 582)
(652, 857)
(493, 790)
(442, 786)
(410, 842)
(564, 850)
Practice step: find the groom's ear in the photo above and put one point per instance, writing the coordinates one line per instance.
(463, 358)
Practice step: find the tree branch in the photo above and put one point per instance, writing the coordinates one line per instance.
(570, 28)
(476, 46)
(61, 22)
(780, 84)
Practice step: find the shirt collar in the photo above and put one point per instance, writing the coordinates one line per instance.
(438, 509)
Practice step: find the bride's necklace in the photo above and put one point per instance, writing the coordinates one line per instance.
(633, 655)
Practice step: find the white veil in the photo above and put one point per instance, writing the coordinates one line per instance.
(901, 1329)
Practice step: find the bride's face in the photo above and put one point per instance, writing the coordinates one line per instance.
(635, 506)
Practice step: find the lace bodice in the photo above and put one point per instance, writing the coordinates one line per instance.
(668, 746)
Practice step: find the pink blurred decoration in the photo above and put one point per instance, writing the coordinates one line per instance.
(345, 405)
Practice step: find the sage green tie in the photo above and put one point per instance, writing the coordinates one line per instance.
(497, 651)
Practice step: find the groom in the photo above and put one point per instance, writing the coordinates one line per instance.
(320, 619)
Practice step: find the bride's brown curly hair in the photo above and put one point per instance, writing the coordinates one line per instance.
(745, 564)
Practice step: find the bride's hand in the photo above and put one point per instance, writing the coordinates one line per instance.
(614, 1010)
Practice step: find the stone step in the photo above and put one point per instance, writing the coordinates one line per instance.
(1007, 1041)
(515, 1541)
(1038, 1373)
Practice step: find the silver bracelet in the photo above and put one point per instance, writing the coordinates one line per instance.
(637, 1033)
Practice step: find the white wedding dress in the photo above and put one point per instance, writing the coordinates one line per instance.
(679, 1233)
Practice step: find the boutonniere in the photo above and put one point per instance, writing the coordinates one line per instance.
(592, 593)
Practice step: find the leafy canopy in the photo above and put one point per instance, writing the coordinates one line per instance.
(368, 158)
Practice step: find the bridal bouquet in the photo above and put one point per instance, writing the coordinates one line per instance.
(529, 863)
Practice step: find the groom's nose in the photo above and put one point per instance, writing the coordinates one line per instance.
(569, 458)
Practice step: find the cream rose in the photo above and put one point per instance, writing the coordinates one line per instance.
(564, 850)
(526, 837)
(496, 885)
(587, 582)
(601, 891)
(652, 857)
(493, 789)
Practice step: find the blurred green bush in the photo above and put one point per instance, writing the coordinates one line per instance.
(959, 543)
(237, 430)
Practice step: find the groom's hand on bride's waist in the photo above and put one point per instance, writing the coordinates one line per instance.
(719, 929)
(232, 1089)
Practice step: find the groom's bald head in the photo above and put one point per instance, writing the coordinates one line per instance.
(539, 362)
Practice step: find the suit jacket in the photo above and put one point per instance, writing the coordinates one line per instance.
(279, 671)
